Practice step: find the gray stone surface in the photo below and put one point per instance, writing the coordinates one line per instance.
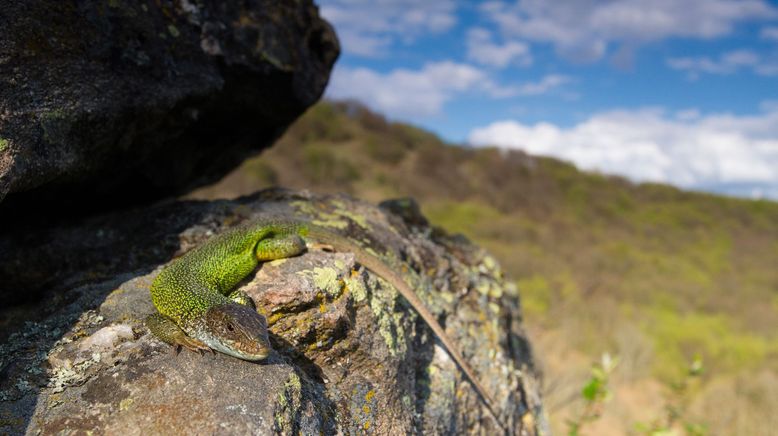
(350, 355)
(113, 102)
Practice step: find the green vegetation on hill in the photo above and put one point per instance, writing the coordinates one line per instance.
(651, 273)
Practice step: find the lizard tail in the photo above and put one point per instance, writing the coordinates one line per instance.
(379, 267)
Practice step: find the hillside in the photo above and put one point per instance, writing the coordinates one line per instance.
(649, 273)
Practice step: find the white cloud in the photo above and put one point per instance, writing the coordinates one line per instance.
(372, 46)
(727, 63)
(688, 114)
(369, 28)
(583, 30)
(769, 33)
(543, 86)
(407, 93)
(713, 152)
(481, 49)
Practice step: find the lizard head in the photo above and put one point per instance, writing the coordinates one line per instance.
(238, 331)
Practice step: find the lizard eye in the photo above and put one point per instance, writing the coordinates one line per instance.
(230, 327)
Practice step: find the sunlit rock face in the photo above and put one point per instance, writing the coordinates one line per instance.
(350, 355)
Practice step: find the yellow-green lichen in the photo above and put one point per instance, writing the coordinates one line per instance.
(272, 318)
(322, 219)
(344, 211)
(289, 400)
(511, 289)
(483, 288)
(390, 323)
(173, 30)
(125, 404)
(496, 291)
(330, 220)
(3, 144)
(448, 297)
(356, 287)
(328, 280)
(294, 382)
(338, 219)
(491, 264)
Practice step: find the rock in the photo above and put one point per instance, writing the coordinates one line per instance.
(110, 103)
(351, 356)
(106, 338)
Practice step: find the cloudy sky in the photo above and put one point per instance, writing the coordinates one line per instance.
(676, 91)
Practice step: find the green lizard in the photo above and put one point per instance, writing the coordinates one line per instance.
(199, 310)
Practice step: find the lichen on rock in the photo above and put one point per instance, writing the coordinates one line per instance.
(351, 355)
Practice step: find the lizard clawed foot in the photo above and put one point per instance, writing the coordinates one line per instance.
(190, 344)
(193, 345)
(167, 330)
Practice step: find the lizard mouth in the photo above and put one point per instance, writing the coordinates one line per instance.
(238, 331)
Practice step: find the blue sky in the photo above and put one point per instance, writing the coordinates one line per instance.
(676, 91)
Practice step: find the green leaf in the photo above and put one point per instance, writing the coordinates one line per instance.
(592, 389)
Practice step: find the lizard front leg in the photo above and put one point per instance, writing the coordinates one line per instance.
(279, 247)
(167, 331)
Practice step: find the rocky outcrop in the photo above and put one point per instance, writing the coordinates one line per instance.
(115, 102)
(351, 356)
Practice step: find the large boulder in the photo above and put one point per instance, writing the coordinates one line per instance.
(110, 102)
(351, 355)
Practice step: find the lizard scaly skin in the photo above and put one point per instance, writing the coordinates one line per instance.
(198, 309)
